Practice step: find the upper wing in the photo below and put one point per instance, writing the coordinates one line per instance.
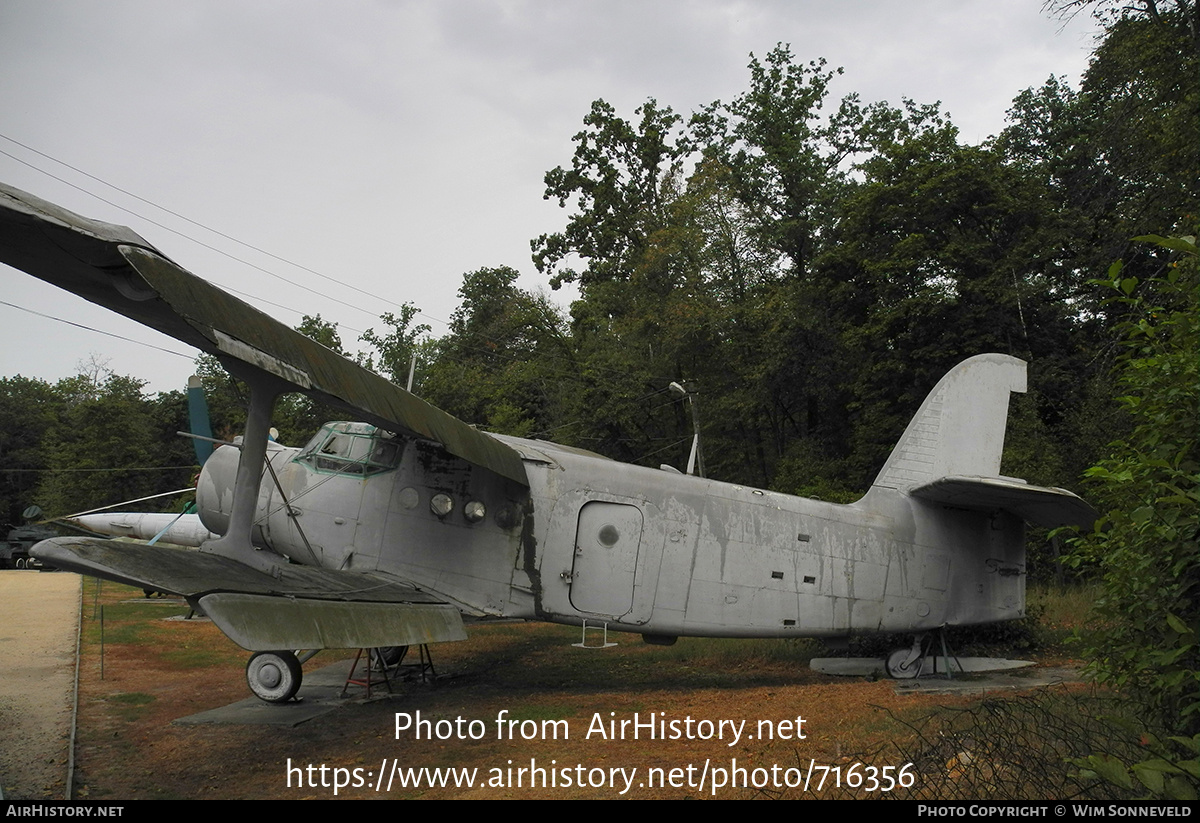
(114, 267)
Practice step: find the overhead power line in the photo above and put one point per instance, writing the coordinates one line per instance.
(545, 355)
(98, 331)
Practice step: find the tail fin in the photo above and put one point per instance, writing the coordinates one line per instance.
(959, 429)
(198, 418)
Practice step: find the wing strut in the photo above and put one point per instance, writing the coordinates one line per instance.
(292, 515)
(236, 543)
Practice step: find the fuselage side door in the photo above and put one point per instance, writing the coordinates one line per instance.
(607, 542)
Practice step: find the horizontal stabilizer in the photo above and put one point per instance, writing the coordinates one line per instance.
(1042, 505)
(259, 623)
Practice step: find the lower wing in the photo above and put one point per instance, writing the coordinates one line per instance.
(299, 608)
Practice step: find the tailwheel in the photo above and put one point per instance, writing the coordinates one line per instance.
(905, 664)
(274, 676)
(902, 664)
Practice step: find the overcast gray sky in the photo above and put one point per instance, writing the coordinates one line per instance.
(396, 145)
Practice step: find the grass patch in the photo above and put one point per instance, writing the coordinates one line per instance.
(548, 660)
(124, 622)
(1063, 610)
(535, 712)
(726, 651)
(132, 698)
(130, 706)
(128, 617)
(196, 656)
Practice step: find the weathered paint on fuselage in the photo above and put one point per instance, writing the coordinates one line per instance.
(644, 550)
(716, 559)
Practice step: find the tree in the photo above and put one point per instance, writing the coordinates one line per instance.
(641, 290)
(322, 331)
(1177, 16)
(394, 348)
(622, 177)
(28, 409)
(1147, 543)
(1120, 154)
(786, 157)
(107, 447)
(504, 362)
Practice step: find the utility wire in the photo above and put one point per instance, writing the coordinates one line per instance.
(227, 237)
(198, 224)
(477, 335)
(197, 241)
(98, 331)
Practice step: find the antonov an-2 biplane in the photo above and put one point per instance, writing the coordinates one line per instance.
(385, 532)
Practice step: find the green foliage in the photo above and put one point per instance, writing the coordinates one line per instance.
(322, 331)
(621, 177)
(823, 265)
(107, 446)
(1120, 154)
(28, 408)
(785, 155)
(1147, 543)
(394, 348)
(504, 361)
(1173, 770)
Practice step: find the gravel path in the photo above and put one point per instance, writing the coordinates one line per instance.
(39, 616)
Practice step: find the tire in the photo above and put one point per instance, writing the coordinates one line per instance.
(390, 655)
(274, 676)
(899, 669)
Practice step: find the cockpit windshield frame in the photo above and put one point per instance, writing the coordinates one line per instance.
(344, 447)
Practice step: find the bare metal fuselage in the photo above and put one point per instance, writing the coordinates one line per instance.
(643, 550)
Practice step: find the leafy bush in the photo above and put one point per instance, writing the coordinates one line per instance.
(1146, 542)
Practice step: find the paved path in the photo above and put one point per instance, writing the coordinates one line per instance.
(39, 616)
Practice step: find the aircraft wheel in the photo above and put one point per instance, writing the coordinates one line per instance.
(20, 564)
(899, 666)
(391, 656)
(274, 676)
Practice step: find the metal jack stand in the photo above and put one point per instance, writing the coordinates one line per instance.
(383, 666)
(424, 665)
(946, 657)
(583, 644)
(370, 679)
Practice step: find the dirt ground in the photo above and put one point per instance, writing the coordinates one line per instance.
(158, 671)
(39, 616)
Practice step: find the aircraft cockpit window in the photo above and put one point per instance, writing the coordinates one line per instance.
(352, 448)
